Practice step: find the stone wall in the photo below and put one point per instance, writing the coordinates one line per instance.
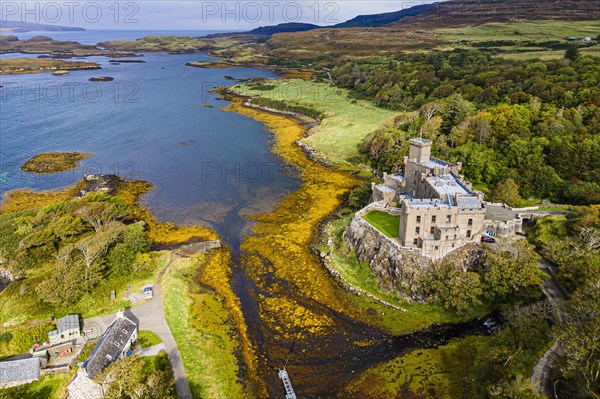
(503, 228)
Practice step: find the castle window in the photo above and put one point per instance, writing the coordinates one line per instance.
(418, 219)
(433, 219)
(470, 223)
(436, 247)
(417, 230)
(415, 241)
(468, 233)
(448, 218)
(432, 230)
(446, 238)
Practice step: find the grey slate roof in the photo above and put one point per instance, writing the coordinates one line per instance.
(110, 346)
(24, 370)
(69, 322)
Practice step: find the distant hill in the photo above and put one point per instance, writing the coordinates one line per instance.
(283, 28)
(456, 13)
(383, 19)
(18, 26)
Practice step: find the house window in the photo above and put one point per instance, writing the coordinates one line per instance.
(452, 245)
(436, 247)
(446, 238)
(418, 219)
(415, 241)
(455, 236)
(417, 230)
(432, 230)
(448, 218)
(433, 219)
(470, 222)
(468, 233)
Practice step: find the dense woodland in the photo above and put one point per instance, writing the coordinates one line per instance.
(522, 129)
(67, 249)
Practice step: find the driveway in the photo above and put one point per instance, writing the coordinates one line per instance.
(149, 316)
(542, 371)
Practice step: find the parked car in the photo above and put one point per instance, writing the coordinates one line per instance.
(148, 292)
(488, 239)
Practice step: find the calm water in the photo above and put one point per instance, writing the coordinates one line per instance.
(153, 123)
(96, 36)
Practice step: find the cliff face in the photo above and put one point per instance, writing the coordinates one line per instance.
(398, 269)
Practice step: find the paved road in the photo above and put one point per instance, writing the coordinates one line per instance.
(542, 371)
(152, 350)
(150, 316)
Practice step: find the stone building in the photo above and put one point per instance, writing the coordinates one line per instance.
(439, 210)
(114, 343)
(68, 329)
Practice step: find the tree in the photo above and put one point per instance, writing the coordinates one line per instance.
(453, 288)
(122, 377)
(98, 213)
(122, 256)
(360, 196)
(507, 192)
(580, 338)
(572, 53)
(510, 271)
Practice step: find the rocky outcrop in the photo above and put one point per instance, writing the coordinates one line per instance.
(399, 269)
(5, 277)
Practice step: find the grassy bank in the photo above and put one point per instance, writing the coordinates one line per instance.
(203, 327)
(345, 121)
(52, 386)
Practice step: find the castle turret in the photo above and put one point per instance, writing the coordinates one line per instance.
(420, 150)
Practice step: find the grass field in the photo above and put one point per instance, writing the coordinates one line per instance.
(522, 40)
(384, 222)
(345, 124)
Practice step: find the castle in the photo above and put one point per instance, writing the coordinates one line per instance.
(439, 212)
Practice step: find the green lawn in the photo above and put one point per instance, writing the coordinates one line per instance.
(148, 339)
(346, 123)
(384, 222)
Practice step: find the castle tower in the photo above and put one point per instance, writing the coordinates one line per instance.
(420, 150)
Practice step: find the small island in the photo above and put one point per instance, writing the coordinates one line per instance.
(54, 162)
(40, 65)
(101, 79)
